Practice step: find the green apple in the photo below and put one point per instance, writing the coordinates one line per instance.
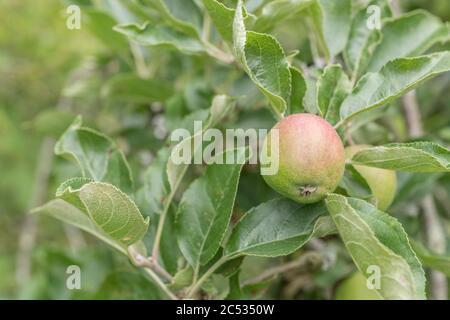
(382, 182)
(311, 158)
(355, 288)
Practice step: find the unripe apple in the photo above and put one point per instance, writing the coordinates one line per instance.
(355, 288)
(310, 155)
(382, 182)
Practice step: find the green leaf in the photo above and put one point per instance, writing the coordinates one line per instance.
(275, 228)
(331, 22)
(363, 40)
(67, 213)
(53, 122)
(205, 209)
(263, 59)
(332, 88)
(374, 238)
(101, 25)
(432, 260)
(393, 80)
(96, 154)
(220, 106)
(111, 210)
(121, 285)
(275, 12)
(130, 88)
(156, 186)
(408, 35)
(222, 18)
(182, 15)
(160, 36)
(296, 104)
(411, 157)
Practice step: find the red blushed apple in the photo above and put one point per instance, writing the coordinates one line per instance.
(311, 158)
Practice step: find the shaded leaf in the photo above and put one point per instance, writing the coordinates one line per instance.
(263, 59)
(111, 210)
(96, 154)
(220, 106)
(161, 36)
(373, 238)
(408, 35)
(131, 88)
(205, 209)
(332, 88)
(275, 228)
(393, 80)
(296, 104)
(412, 157)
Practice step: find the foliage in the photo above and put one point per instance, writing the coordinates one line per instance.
(206, 230)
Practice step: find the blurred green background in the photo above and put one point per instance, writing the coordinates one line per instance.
(40, 63)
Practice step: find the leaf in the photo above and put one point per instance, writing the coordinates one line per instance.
(363, 40)
(275, 228)
(121, 285)
(373, 238)
(182, 15)
(408, 35)
(101, 25)
(354, 184)
(67, 213)
(156, 186)
(96, 154)
(130, 88)
(411, 157)
(205, 209)
(111, 210)
(393, 80)
(263, 59)
(275, 12)
(160, 36)
(331, 22)
(53, 122)
(296, 104)
(332, 88)
(432, 260)
(220, 106)
(222, 18)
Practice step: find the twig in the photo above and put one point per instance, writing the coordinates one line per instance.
(434, 233)
(308, 261)
(143, 262)
(197, 285)
(29, 227)
(412, 114)
(436, 242)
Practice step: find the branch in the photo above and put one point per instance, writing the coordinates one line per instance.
(29, 226)
(308, 261)
(434, 233)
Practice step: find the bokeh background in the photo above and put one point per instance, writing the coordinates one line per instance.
(49, 74)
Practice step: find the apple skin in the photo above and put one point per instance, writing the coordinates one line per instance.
(311, 158)
(355, 288)
(382, 182)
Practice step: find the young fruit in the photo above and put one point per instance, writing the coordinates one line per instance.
(355, 288)
(311, 158)
(382, 182)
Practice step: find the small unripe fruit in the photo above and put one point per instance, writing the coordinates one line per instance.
(311, 158)
(382, 182)
(355, 288)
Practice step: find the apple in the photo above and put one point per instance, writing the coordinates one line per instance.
(311, 158)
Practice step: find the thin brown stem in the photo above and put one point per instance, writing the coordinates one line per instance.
(29, 227)
(434, 233)
(307, 261)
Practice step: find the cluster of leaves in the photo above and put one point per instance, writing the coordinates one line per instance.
(185, 216)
